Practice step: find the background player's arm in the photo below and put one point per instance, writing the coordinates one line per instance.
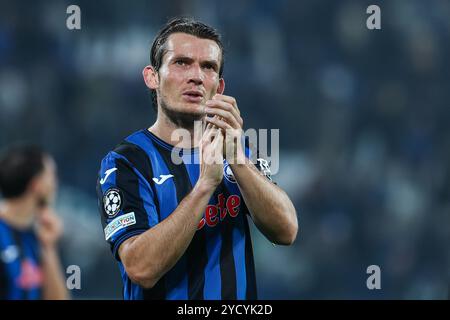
(148, 256)
(270, 207)
(49, 231)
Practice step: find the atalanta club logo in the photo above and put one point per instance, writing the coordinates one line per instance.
(112, 202)
(228, 173)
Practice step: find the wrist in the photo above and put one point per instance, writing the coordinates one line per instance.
(48, 247)
(236, 157)
(205, 187)
(240, 161)
(49, 251)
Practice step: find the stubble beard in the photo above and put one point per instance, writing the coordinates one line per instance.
(180, 119)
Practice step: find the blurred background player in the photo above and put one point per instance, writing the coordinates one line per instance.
(29, 228)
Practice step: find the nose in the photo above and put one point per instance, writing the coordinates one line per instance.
(195, 74)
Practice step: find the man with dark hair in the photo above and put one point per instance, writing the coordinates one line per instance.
(179, 229)
(29, 229)
(187, 26)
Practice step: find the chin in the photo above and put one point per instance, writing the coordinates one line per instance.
(185, 114)
(192, 109)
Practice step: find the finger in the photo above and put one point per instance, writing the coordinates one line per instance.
(230, 116)
(208, 126)
(218, 142)
(208, 135)
(212, 126)
(215, 132)
(212, 150)
(49, 224)
(44, 217)
(228, 99)
(221, 104)
(220, 124)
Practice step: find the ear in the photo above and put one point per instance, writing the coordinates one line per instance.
(221, 87)
(151, 78)
(35, 184)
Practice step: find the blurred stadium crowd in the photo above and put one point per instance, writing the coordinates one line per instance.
(363, 118)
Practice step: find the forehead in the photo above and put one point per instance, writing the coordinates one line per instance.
(190, 46)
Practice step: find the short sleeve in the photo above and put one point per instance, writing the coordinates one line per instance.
(125, 200)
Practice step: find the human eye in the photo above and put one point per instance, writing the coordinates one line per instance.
(209, 66)
(180, 62)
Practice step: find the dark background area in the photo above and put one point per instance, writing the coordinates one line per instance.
(363, 118)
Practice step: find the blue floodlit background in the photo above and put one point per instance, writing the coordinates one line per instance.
(363, 118)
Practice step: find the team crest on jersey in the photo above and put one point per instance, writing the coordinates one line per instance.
(112, 202)
(228, 173)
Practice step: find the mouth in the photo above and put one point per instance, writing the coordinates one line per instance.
(193, 96)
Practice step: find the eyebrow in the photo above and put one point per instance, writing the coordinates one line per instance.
(214, 63)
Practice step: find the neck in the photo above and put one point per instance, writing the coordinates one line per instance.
(174, 134)
(19, 213)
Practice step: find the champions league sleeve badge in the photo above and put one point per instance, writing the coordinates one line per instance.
(112, 202)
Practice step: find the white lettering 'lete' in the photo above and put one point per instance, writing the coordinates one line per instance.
(107, 173)
(163, 177)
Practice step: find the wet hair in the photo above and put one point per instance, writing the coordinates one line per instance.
(19, 164)
(183, 25)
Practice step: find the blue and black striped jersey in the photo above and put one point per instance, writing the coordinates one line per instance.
(139, 185)
(20, 271)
